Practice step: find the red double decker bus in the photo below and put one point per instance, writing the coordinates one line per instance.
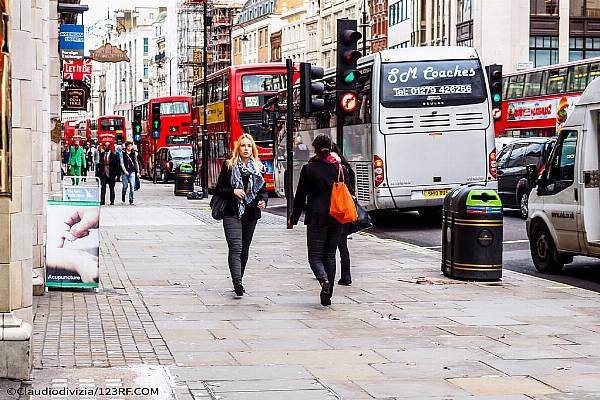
(175, 128)
(88, 129)
(537, 102)
(71, 133)
(111, 129)
(235, 96)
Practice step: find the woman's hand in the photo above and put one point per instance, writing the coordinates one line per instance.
(239, 193)
(262, 205)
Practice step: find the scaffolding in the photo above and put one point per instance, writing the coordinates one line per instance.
(190, 30)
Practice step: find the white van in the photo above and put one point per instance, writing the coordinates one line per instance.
(564, 211)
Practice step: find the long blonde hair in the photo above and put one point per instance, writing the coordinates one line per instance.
(236, 153)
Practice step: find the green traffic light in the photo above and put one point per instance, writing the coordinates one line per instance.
(138, 128)
(156, 124)
(349, 78)
(496, 97)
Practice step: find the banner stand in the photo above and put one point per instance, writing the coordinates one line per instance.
(73, 238)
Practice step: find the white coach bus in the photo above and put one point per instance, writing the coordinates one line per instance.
(423, 126)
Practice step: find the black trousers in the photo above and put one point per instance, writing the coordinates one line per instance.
(344, 254)
(110, 181)
(322, 242)
(239, 233)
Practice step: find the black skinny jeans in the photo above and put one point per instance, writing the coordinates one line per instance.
(110, 181)
(238, 233)
(322, 242)
(344, 254)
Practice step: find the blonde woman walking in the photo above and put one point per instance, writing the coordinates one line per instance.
(242, 185)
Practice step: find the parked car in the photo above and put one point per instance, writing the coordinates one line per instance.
(168, 160)
(513, 162)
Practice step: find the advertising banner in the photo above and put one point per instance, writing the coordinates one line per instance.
(558, 108)
(77, 70)
(73, 245)
(71, 42)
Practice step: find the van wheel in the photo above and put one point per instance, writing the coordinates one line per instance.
(524, 203)
(543, 251)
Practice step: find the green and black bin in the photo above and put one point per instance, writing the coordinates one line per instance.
(472, 234)
(184, 180)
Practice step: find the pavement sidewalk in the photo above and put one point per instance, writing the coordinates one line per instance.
(166, 318)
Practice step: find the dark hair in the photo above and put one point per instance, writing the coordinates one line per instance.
(322, 144)
(127, 143)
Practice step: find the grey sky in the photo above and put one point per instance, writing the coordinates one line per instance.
(99, 8)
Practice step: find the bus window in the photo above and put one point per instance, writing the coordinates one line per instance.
(557, 79)
(515, 87)
(261, 83)
(225, 87)
(432, 83)
(219, 89)
(174, 108)
(594, 72)
(578, 77)
(111, 124)
(505, 87)
(533, 84)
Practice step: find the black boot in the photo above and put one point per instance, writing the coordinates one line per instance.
(123, 197)
(325, 294)
(238, 288)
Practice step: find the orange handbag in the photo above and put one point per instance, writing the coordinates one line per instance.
(342, 206)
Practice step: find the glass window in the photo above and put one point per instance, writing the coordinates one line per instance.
(594, 71)
(464, 11)
(503, 157)
(557, 79)
(111, 124)
(544, 7)
(543, 50)
(585, 8)
(252, 83)
(517, 158)
(533, 84)
(145, 45)
(534, 154)
(515, 87)
(432, 83)
(562, 168)
(174, 108)
(578, 77)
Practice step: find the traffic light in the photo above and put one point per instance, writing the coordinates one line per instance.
(137, 125)
(347, 54)
(309, 88)
(495, 80)
(155, 120)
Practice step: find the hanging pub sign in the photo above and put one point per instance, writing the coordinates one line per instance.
(71, 42)
(5, 100)
(109, 53)
(75, 98)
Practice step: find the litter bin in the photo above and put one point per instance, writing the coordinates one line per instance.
(472, 231)
(184, 180)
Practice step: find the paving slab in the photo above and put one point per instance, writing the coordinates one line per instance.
(502, 385)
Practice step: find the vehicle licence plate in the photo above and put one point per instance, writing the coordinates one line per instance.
(436, 193)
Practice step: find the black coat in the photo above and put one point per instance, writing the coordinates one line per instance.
(114, 166)
(313, 194)
(225, 191)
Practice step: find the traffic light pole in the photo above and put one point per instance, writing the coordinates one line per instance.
(289, 128)
(154, 174)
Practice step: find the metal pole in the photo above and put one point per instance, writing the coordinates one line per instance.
(170, 78)
(154, 173)
(289, 172)
(364, 29)
(205, 102)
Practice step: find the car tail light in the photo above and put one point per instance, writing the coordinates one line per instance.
(493, 164)
(378, 170)
(168, 165)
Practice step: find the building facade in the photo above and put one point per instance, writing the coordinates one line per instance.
(515, 33)
(34, 174)
(379, 24)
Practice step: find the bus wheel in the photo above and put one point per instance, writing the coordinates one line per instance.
(543, 250)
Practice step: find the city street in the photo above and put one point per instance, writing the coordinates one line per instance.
(166, 319)
(409, 227)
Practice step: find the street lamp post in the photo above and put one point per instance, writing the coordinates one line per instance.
(204, 172)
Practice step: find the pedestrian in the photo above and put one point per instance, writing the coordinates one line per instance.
(66, 156)
(119, 152)
(313, 196)
(76, 161)
(95, 150)
(345, 276)
(242, 185)
(84, 167)
(107, 169)
(130, 168)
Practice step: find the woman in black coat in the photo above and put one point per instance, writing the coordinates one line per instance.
(313, 196)
(242, 185)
